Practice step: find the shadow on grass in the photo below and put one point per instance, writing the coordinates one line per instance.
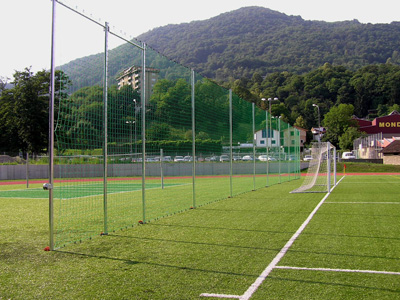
(352, 236)
(344, 254)
(194, 243)
(221, 228)
(303, 281)
(136, 262)
(255, 211)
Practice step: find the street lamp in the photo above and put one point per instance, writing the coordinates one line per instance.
(269, 109)
(134, 107)
(268, 129)
(132, 122)
(319, 123)
(280, 146)
(130, 137)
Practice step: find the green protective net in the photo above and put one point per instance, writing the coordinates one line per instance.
(143, 137)
(168, 115)
(212, 141)
(78, 170)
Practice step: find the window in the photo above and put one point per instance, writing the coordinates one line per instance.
(270, 133)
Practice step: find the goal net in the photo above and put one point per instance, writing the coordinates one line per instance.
(321, 174)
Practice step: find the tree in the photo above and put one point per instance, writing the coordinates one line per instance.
(336, 122)
(3, 83)
(300, 122)
(347, 138)
(25, 110)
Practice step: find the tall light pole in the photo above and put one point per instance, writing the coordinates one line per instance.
(319, 123)
(269, 109)
(279, 135)
(134, 101)
(268, 129)
(132, 122)
(130, 136)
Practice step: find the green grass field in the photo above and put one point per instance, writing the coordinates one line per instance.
(219, 248)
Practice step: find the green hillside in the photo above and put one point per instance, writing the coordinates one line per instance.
(236, 44)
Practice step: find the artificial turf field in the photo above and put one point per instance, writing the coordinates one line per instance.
(350, 249)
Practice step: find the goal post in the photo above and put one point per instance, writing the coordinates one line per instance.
(321, 174)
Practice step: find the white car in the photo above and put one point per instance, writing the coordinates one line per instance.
(307, 158)
(348, 155)
(263, 158)
(247, 158)
(224, 158)
(167, 158)
(178, 159)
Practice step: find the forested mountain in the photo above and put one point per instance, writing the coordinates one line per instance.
(236, 44)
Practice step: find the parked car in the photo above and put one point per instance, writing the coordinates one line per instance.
(188, 158)
(247, 158)
(237, 158)
(178, 159)
(263, 158)
(348, 155)
(224, 158)
(307, 158)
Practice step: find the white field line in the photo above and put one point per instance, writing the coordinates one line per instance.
(362, 202)
(220, 296)
(338, 270)
(256, 284)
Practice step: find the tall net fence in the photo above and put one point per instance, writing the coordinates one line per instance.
(138, 137)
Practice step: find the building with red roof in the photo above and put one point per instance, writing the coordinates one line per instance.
(388, 125)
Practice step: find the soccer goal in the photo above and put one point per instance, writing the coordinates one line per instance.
(321, 175)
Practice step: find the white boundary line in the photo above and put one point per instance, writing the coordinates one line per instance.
(363, 202)
(256, 284)
(338, 270)
(220, 296)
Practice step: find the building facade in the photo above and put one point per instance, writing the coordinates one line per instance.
(132, 76)
(388, 125)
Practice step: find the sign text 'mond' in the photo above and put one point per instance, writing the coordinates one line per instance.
(389, 124)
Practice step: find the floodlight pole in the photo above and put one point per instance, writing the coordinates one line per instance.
(270, 127)
(319, 123)
(134, 100)
(279, 136)
(266, 140)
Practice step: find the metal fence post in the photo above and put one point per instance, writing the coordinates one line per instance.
(266, 144)
(51, 129)
(105, 128)
(328, 171)
(193, 140)
(279, 136)
(143, 101)
(254, 146)
(162, 167)
(230, 144)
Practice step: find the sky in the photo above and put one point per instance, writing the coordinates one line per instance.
(26, 24)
